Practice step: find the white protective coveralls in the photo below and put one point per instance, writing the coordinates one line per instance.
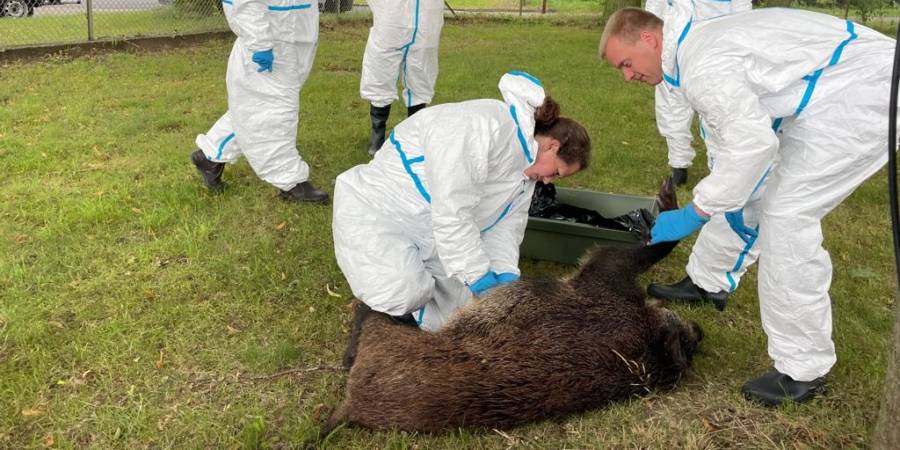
(443, 202)
(403, 43)
(672, 118)
(263, 107)
(797, 101)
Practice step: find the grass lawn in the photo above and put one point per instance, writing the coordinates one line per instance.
(139, 311)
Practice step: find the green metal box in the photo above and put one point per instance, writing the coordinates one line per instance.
(565, 242)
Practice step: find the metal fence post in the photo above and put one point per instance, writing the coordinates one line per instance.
(90, 20)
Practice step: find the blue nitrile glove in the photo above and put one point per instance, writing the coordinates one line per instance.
(484, 284)
(736, 221)
(676, 224)
(264, 58)
(506, 278)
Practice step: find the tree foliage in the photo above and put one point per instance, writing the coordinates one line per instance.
(611, 6)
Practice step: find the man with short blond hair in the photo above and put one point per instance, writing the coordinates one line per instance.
(793, 101)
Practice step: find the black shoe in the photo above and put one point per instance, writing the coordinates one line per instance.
(210, 172)
(414, 109)
(304, 192)
(679, 176)
(774, 388)
(379, 117)
(686, 291)
(406, 319)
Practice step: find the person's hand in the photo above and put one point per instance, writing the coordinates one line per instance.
(736, 221)
(264, 59)
(676, 224)
(484, 284)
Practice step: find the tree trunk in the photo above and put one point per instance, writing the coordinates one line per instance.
(887, 430)
(612, 6)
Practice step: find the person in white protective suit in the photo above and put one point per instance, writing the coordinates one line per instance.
(793, 100)
(271, 58)
(403, 44)
(673, 116)
(704, 282)
(438, 215)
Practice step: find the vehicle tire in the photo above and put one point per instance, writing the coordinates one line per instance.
(15, 8)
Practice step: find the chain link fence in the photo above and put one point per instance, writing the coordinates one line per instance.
(25, 23)
(32, 23)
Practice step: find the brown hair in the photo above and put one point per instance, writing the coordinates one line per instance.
(574, 142)
(627, 24)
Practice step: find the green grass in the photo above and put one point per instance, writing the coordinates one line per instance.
(139, 311)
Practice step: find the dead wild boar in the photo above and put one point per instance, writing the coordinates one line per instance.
(528, 351)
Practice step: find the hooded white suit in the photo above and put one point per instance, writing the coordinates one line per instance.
(796, 101)
(263, 107)
(442, 203)
(403, 42)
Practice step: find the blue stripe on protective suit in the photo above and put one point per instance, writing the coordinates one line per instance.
(502, 215)
(737, 265)
(290, 7)
(676, 80)
(813, 78)
(223, 144)
(421, 316)
(520, 134)
(227, 2)
(407, 164)
(732, 285)
(527, 76)
(405, 48)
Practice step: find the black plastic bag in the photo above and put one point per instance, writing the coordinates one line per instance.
(545, 205)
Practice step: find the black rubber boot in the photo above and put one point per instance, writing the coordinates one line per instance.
(210, 172)
(774, 388)
(379, 124)
(414, 109)
(686, 291)
(679, 176)
(304, 192)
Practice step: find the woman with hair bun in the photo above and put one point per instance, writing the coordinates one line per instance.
(438, 215)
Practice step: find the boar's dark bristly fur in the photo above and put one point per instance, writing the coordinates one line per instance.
(528, 351)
